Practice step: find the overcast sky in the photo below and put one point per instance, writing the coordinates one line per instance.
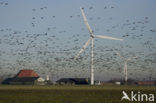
(45, 35)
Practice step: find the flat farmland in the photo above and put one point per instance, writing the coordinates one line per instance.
(69, 93)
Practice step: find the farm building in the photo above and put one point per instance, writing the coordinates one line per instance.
(25, 77)
(27, 73)
(78, 81)
(146, 83)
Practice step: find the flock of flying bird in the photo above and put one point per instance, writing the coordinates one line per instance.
(46, 52)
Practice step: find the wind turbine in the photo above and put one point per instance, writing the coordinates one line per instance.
(125, 64)
(91, 39)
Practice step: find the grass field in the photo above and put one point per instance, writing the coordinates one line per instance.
(69, 94)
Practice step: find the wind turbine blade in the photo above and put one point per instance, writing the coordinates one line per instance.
(86, 22)
(107, 37)
(82, 49)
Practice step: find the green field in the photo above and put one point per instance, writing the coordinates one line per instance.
(69, 94)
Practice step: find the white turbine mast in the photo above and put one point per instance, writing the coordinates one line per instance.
(125, 64)
(91, 40)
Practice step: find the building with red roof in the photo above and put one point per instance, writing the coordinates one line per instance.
(146, 82)
(26, 73)
(24, 77)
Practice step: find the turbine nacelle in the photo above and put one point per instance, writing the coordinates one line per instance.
(92, 36)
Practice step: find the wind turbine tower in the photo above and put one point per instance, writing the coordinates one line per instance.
(91, 40)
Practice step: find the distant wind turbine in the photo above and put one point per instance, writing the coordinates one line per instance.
(91, 39)
(125, 64)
